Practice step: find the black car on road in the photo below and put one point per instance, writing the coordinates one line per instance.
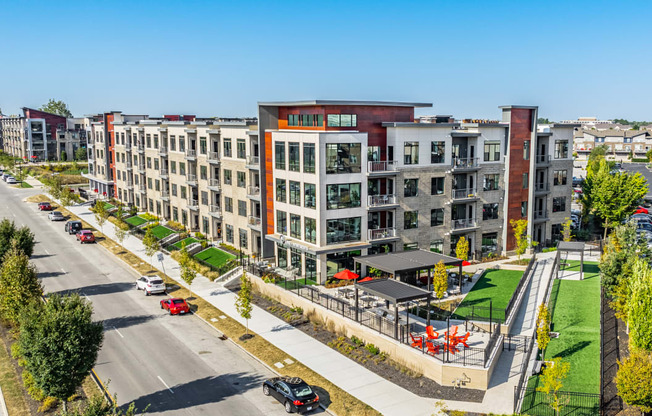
(294, 393)
(72, 227)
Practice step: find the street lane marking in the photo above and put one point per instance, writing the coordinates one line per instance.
(64, 272)
(116, 330)
(168, 387)
(47, 252)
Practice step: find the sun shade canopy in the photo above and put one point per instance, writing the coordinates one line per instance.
(570, 246)
(392, 290)
(406, 261)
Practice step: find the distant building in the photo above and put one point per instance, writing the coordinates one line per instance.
(620, 143)
(586, 121)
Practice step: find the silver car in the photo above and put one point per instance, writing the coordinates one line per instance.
(150, 284)
(56, 216)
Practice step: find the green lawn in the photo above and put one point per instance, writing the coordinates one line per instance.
(108, 206)
(188, 241)
(291, 285)
(25, 185)
(135, 221)
(496, 286)
(160, 232)
(214, 256)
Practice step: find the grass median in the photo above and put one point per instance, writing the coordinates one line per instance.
(12, 386)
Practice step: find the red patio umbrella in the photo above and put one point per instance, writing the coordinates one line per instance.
(466, 263)
(366, 279)
(346, 274)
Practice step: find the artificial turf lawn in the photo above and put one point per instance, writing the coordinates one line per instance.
(575, 307)
(161, 231)
(108, 206)
(215, 257)
(291, 285)
(188, 242)
(135, 221)
(496, 286)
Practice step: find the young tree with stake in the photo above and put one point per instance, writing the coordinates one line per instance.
(188, 273)
(151, 244)
(243, 303)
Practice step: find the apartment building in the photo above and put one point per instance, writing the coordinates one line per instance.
(620, 143)
(32, 136)
(344, 179)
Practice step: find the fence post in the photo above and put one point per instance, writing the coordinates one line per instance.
(311, 294)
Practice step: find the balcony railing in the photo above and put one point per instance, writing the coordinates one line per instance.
(381, 200)
(542, 159)
(464, 193)
(382, 166)
(253, 191)
(141, 168)
(130, 185)
(253, 160)
(164, 172)
(540, 214)
(142, 189)
(191, 154)
(214, 185)
(128, 146)
(541, 186)
(129, 165)
(212, 208)
(213, 157)
(165, 194)
(381, 233)
(141, 148)
(464, 162)
(163, 151)
(464, 223)
(191, 179)
(193, 204)
(254, 221)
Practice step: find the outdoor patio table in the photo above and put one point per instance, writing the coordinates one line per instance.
(368, 300)
(346, 292)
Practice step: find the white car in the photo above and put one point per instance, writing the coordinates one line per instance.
(150, 284)
(11, 180)
(56, 216)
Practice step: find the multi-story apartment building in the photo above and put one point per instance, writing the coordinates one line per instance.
(620, 143)
(344, 179)
(32, 136)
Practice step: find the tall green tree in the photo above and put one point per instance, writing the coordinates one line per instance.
(440, 279)
(640, 306)
(151, 244)
(23, 238)
(188, 273)
(56, 107)
(634, 379)
(462, 249)
(523, 241)
(19, 285)
(80, 154)
(66, 197)
(243, 302)
(59, 342)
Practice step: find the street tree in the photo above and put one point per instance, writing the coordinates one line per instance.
(23, 238)
(243, 302)
(80, 154)
(566, 229)
(523, 241)
(439, 280)
(462, 249)
(648, 154)
(59, 342)
(101, 214)
(640, 306)
(151, 244)
(66, 197)
(19, 285)
(543, 328)
(121, 233)
(634, 379)
(188, 273)
(56, 107)
(552, 381)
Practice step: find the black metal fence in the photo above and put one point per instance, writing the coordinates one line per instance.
(537, 403)
(524, 278)
(518, 389)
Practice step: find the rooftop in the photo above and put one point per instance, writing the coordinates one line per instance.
(406, 261)
(309, 103)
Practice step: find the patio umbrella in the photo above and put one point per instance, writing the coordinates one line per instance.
(466, 263)
(346, 274)
(366, 279)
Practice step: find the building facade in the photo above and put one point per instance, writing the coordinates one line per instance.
(620, 143)
(32, 136)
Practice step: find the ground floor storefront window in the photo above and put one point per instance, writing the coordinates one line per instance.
(336, 262)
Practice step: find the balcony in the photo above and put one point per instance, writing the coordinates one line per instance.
(463, 225)
(388, 201)
(191, 180)
(541, 188)
(130, 185)
(542, 160)
(193, 204)
(540, 215)
(165, 196)
(381, 168)
(213, 158)
(142, 189)
(254, 223)
(164, 174)
(128, 146)
(253, 192)
(163, 151)
(130, 166)
(381, 234)
(191, 155)
(466, 193)
(462, 164)
(141, 168)
(253, 162)
(214, 211)
(141, 148)
(214, 185)
(91, 155)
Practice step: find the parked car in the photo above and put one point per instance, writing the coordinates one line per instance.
(44, 206)
(11, 180)
(5, 176)
(56, 216)
(150, 284)
(644, 226)
(175, 306)
(641, 210)
(295, 394)
(577, 182)
(72, 227)
(85, 236)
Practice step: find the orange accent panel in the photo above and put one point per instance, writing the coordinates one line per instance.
(269, 182)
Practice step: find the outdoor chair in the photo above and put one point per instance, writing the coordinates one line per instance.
(432, 348)
(430, 331)
(462, 340)
(416, 342)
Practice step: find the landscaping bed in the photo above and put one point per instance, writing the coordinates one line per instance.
(179, 244)
(135, 221)
(366, 355)
(160, 232)
(215, 257)
(495, 286)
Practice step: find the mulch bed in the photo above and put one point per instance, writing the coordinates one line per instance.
(378, 363)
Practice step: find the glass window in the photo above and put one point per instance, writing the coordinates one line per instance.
(243, 238)
(241, 149)
(343, 229)
(342, 120)
(282, 254)
(182, 143)
(526, 150)
(173, 166)
(411, 153)
(492, 151)
(525, 180)
(309, 195)
(280, 155)
(491, 182)
(559, 204)
(242, 179)
(229, 233)
(524, 209)
(561, 149)
(345, 195)
(373, 153)
(436, 217)
(281, 222)
(293, 119)
(436, 186)
(173, 142)
(295, 226)
(295, 193)
(343, 157)
(489, 243)
(309, 158)
(228, 204)
(204, 198)
(410, 219)
(437, 152)
(280, 190)
(174, 189)
(202, 145)
(437, 246)
(242, 208)
(490, 211)
(228, 178)
(295, 259)
(203, 172)
(295, 157)
(310, 232)
(149, 163)
(311, 266)
(227, 148)
(559, 177)
(411, 187)
(410, 246)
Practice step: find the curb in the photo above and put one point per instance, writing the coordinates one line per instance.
(3, 405)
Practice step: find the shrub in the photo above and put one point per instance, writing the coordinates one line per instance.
(200, 236)
(204, 243)
(634, 379)
(176, 226)
(297, 310)
(549, 249)
(48, 403)
(357, 341)
(149, 217)
(28, 381)
(372, 349)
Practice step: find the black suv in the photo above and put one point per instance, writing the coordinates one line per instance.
(295, 394)
(73, 226)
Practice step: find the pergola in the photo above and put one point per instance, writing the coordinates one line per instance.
(401, 262)
(392, 291)
(573, 247)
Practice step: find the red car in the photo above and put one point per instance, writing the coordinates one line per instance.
(85, 236)
(641, 210)
(44, 206)
(175, 306)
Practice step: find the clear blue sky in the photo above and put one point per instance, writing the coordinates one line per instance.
(572, 59)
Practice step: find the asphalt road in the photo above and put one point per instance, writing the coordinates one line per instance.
(175, 364)
(640, 168)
